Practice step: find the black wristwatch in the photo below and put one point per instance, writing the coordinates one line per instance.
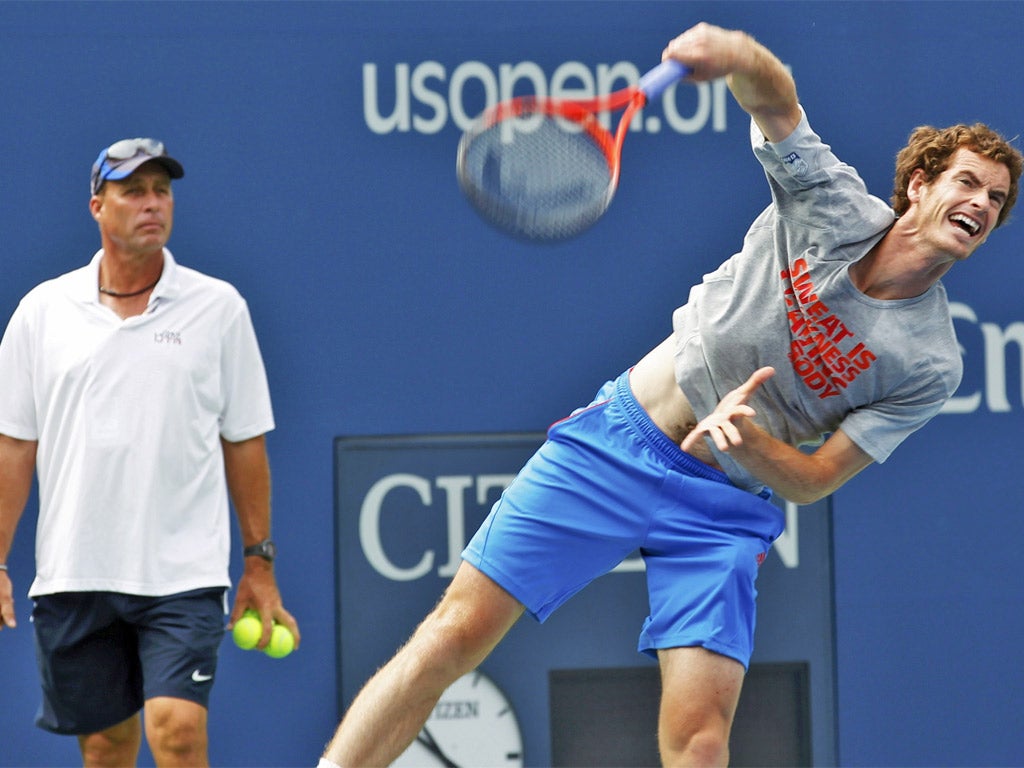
(265, 549)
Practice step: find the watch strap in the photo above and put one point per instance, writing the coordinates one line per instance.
(265, 549)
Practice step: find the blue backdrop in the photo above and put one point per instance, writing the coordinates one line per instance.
(318, 141)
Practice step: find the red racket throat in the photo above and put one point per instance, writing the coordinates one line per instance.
(582, 114)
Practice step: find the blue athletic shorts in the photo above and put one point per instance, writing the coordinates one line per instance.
(101, 655)
(608, 482)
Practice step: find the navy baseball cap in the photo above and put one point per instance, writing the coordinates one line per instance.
(122, 158)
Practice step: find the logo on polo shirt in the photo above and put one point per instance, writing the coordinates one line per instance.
(167, 337)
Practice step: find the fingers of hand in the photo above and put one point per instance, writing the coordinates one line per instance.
(725, 435)
(757, 378)
(721, 427)
(6, 602)
(705, 48)
(276, 614)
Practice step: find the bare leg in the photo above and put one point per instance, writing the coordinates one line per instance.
(700, 691)
(116, 747)
(473, 616)
(176, 732)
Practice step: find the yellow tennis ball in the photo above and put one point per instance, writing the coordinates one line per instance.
(248, 630)
(282, 642)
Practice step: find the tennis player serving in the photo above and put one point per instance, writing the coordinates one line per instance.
(829, 331)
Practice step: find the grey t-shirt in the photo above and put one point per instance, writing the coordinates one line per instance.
(876, 369)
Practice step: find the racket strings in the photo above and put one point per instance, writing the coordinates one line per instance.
(539, 176)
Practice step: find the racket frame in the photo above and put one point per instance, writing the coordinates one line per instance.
(583, 113)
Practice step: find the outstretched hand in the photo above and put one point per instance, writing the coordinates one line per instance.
(722, 424)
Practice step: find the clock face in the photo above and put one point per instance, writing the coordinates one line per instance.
(472, 726)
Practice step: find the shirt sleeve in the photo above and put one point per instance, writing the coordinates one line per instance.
(17, 402)
(247, 411)
(880, 427)
(814, 190)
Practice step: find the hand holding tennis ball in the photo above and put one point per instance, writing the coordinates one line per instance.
(249, 629)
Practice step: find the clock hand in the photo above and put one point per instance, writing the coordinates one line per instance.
(427, 740)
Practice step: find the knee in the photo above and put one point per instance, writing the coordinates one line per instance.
(117, 746)
(177, 735)
(444, 643)
(706, 746)
(174, 735)
(464, 628)
(700, 691)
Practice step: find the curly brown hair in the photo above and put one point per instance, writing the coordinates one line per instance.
(931, 150)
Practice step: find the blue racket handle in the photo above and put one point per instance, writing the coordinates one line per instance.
(662, 76)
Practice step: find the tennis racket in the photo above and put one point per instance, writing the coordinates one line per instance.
(546, 169)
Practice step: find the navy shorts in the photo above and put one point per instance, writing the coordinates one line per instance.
(101, 655)
(606, 483)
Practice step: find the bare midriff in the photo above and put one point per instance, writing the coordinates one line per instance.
(653, 381)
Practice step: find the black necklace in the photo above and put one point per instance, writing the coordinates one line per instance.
(119, 295)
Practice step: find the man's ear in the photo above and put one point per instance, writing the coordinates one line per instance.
(915, 185)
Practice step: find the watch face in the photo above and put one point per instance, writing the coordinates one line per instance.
(266, 549)
(472, 726)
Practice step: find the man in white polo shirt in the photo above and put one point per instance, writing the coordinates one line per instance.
(135, 388)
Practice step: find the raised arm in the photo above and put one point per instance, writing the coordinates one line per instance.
(758, 80)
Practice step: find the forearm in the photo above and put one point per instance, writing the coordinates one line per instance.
(17, 466)
(800, 477)
(247, 470)
(763, 86)
(758, 80)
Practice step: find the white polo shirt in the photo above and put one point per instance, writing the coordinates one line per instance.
(129, 415)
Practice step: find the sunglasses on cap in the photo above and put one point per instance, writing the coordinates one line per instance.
(126, 149)
(121, 158)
